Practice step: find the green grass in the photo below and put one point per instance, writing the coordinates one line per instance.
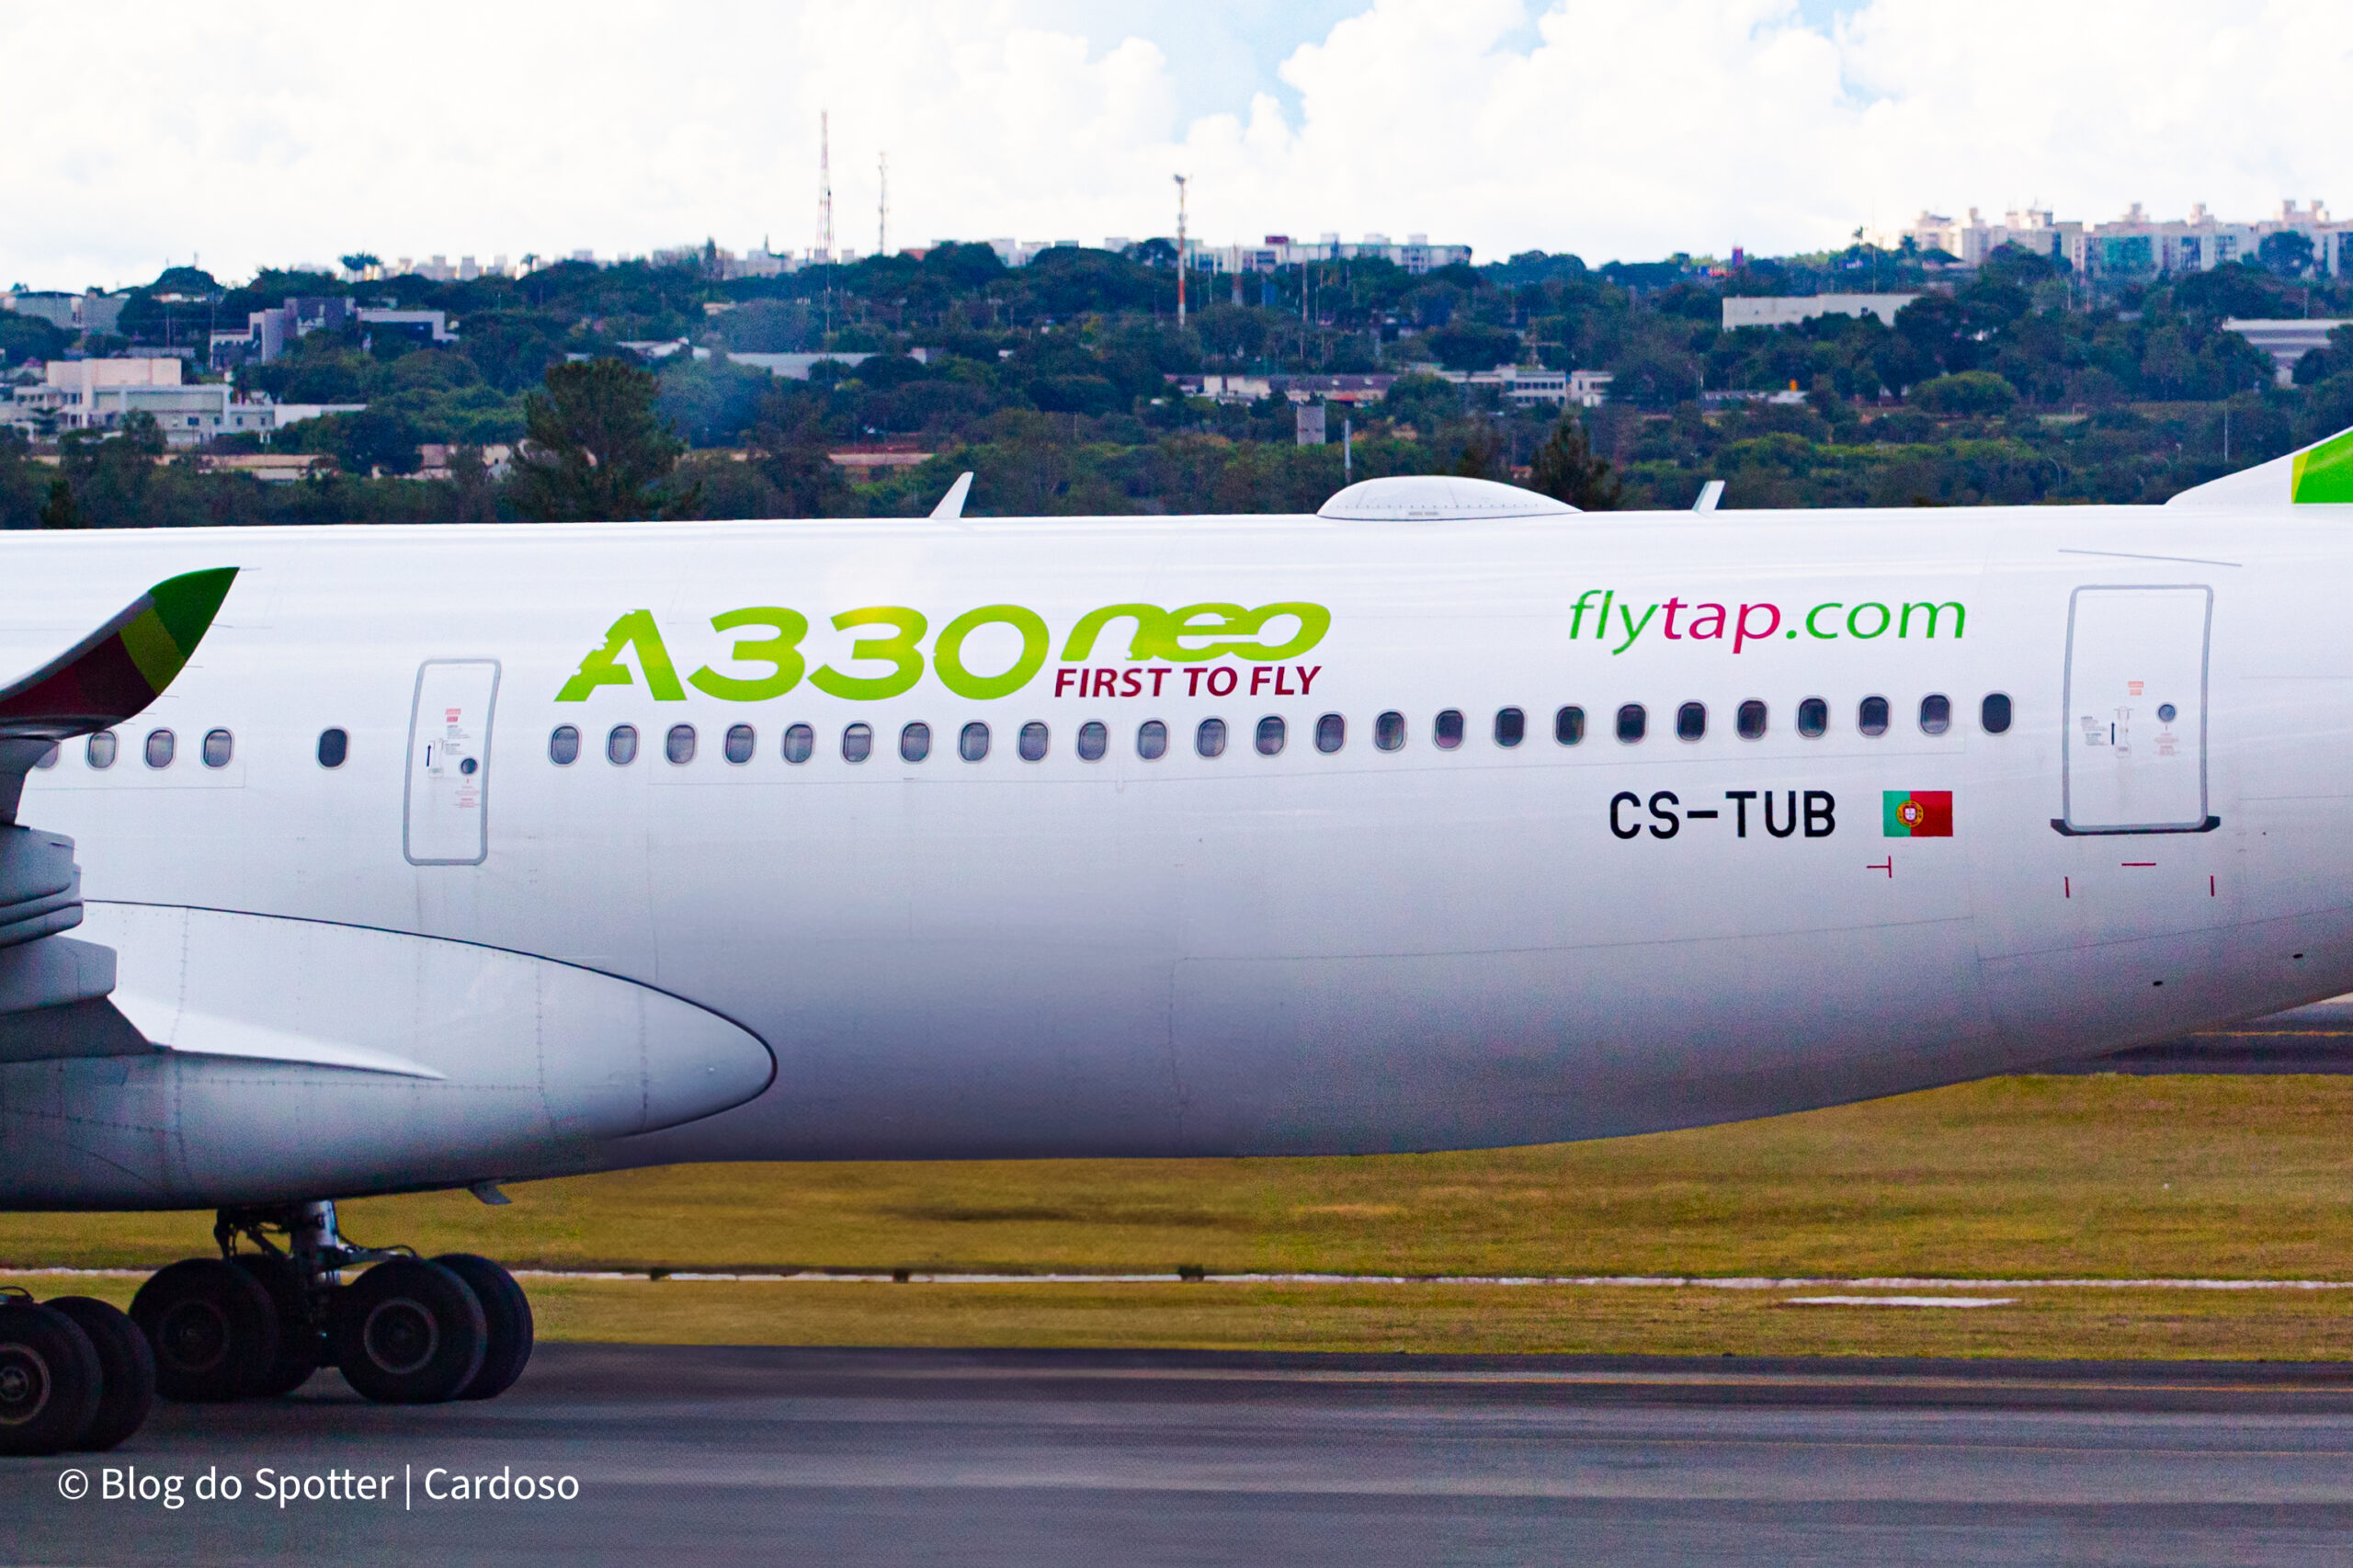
(2114, 1177)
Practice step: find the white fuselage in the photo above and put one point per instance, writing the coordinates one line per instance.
(1308, 952)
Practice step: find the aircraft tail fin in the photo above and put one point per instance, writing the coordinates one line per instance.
(2320, 474)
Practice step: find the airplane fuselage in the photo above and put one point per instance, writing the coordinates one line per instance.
(1469, 939)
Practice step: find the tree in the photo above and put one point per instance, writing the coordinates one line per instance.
(1483, 456)
(58, 511)
(594, 450)
(2287, 253)
(788, 445)
(1566, 468)
(1971, 392)
(360, 261)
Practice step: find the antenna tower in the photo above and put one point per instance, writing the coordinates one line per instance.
(882, 208)
(1181, 181)
(824, 187)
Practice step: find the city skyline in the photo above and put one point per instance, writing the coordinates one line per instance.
(1693, 125)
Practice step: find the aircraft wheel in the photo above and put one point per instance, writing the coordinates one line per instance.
(212, 1327)
(506, 1313)
(409, 1332)
(126, 1370)
(50, 1379)
(301, 1346)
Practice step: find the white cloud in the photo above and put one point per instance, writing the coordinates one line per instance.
(1605, 128)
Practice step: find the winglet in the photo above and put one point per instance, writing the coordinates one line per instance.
(952, 504)
(118, 670)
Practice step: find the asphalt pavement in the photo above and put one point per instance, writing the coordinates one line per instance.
(721, 1456)
(2318, 1039)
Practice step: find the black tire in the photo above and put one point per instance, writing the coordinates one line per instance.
(126, 1370)
(301, 1344)
(212, 1328)
(50, 1380)
(409, 1332)
(506, 1313)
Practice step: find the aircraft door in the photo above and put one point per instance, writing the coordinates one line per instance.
(445, 819)
(2135, 738)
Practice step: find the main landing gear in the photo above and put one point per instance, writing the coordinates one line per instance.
(75, 1373)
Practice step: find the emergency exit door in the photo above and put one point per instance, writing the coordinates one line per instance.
(446, 817)
(2135, 740)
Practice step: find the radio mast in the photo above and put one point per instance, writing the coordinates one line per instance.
(882, 208)
(1180, 180)
(824, 187)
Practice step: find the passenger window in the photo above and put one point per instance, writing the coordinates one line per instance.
(1690, 721)
(564, 745)
(47, 758)
(1271, 735)
(915, 742)
(1813, 717)
(857, 743)
(741, 743)
(678, 746)
(1151, 740)
(1936, 714)
(335, 746)
(1389, 732)
(1033, 742)
(974, 743)
(1448, 729)
(1872, 717)
(101, 750)
(1751, 720)
(1330, 733)
(620, 746)
(1632, 722)
(800, 742)
(1568, 726)
(218, 746)
(160, 748)
(1994, 714)
(1094, 740)
(1511, 727)
(1210, 739)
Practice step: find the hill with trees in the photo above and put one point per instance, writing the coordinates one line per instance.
(1055, 382)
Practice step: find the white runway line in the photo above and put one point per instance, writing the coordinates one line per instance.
(1591, 1281)
(1900, 1301)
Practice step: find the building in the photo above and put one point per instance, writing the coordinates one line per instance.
(793, 367)
(433, 459)
(268, 333)
(427, 328)
(91, 312)
(99, 394)
(2285, 341)
(1790, 310)
(1349, 389)
(270, 468)
(1416, 255)
(2135, 244)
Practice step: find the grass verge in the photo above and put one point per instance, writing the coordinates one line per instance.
(2114, 1177)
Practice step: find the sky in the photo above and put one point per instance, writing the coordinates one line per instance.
(1625, 129)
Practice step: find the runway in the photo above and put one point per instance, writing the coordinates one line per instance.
(723, 1456)
(2317, 1039)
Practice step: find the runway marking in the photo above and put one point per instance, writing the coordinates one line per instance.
(1558, 1282)
(1901, 1301)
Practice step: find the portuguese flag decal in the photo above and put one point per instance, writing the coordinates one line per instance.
(1918, 813)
